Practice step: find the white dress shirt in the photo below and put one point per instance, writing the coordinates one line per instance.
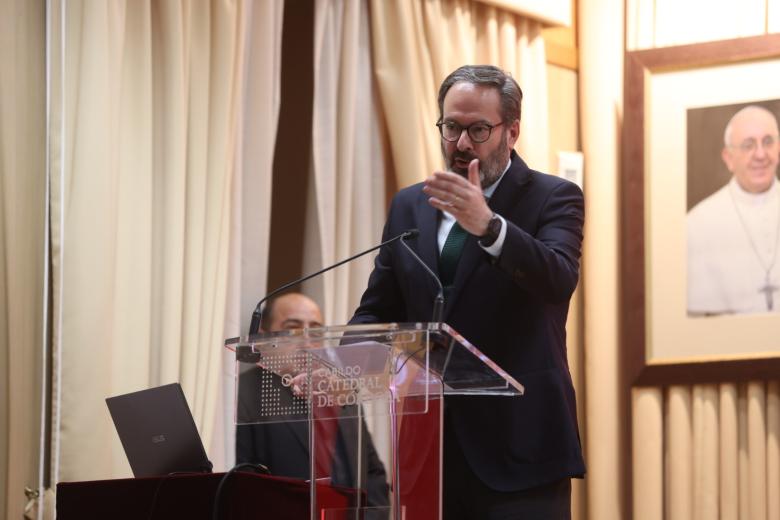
(732, 240)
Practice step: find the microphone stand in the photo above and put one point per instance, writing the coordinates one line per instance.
(254, 325)
(438, 302)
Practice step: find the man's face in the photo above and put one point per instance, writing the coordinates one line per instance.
(466, 104)
(748, 155)
(295, 311)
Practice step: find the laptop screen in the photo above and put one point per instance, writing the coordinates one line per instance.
(158, 432)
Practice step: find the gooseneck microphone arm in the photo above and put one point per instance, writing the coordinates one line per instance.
(257, 315)
(438, 302)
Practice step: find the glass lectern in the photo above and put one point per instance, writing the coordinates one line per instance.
(308, 394)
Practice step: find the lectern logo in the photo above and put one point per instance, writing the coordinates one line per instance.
(331, 386)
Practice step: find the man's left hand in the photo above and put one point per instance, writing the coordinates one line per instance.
(461, 198)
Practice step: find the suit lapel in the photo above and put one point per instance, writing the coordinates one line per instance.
(502, 201)
(505, 197)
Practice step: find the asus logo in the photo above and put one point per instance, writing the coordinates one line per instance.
(156, 439)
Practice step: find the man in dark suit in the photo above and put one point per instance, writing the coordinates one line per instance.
(505, 241)
(284, 446)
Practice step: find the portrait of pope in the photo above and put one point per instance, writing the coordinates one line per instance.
(733, 218)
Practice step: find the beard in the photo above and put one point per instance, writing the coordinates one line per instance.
(490, 169)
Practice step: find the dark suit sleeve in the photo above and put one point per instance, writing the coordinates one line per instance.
(546, 264)
(382, 300)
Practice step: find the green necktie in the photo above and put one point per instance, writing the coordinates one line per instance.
(449, 256)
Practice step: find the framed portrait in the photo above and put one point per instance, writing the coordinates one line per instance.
(678, 103)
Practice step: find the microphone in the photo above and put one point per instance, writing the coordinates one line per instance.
(438, 302)
(257, 315)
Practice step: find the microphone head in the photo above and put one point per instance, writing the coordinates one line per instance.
(412, 233)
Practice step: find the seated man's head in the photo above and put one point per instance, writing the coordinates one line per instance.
(751, 150)
(291, 311)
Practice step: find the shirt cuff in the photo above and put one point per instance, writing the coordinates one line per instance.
(495, 248)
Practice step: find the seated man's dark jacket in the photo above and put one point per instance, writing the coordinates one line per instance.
(283, 446)
(512, 308)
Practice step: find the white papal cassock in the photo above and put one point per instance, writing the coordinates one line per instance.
(732, 251)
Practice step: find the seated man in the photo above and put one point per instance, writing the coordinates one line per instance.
(283, 446)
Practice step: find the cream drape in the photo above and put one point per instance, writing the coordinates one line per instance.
(347, 157)
(549, 12)
(416, 44)
(515, 44)
(346, 198)
(250, 200)
(148, 97)
(601, 93)
(722, 455)
(22, 248)
(406, 78)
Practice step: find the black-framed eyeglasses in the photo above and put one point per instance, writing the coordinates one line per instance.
(479, 132)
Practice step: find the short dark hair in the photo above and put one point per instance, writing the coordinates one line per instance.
(488, 76)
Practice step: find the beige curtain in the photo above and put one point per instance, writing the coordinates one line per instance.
(715, 451)
(722, 458)
(250, 200)
(144, 156)
(601, 66)
(346, 198)
(416, 44)
(22, 248)
(347, 156)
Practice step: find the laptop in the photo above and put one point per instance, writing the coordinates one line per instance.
(158, 432)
